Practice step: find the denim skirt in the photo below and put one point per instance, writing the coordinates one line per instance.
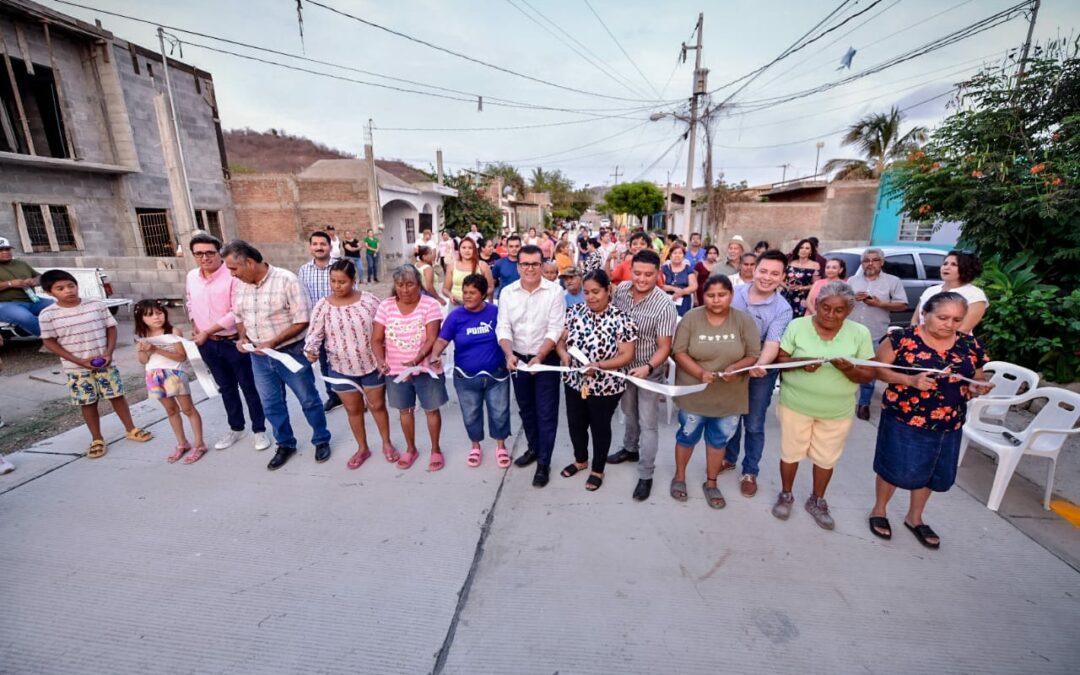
(912, 458)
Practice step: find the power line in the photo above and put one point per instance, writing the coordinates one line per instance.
(578, 147)
(619, 45)
(595, 60)
(466, 57)
(513, 128)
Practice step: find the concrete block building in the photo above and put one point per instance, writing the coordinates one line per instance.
(90, 170)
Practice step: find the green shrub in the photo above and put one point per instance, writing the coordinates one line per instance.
(1030, 323)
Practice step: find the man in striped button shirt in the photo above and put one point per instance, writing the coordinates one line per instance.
(272, 312)
(315, 276)
(656, 318)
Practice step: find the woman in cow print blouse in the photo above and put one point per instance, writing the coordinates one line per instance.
(606, 335)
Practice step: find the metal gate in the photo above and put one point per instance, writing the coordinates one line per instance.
(156, 233)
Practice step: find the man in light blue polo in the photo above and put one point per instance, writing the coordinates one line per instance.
(762, 300)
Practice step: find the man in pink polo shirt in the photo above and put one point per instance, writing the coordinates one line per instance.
(209, 306)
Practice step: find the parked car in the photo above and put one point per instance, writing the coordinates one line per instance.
(93, 283)
(917, 267)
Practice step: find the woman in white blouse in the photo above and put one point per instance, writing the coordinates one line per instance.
(958, 271)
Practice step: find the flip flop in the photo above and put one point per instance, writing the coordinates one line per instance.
(475, 457)
(678, 490)
(879, 523)
(593, 482)
(408, 459)
(177, 453)
(570, 470)
(196, 454)
(391, 454)
(713, 494)
(923, 533)
(436, 463)
(97, 450)
(358, 459)
(502, 457)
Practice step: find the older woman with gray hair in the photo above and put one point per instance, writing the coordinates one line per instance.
(404, 333)
(817, 401)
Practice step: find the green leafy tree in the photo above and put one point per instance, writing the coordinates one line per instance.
(510, 176)
(470, 207)
(638, 199)
(878, 138)
(1006, 164)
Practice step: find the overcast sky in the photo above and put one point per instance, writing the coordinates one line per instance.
(739, 36)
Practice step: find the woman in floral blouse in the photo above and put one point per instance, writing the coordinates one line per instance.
(922, 413)
(606, 336)
(343, 322)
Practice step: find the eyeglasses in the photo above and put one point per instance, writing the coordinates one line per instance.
(204, 254)
(872, 260)
(529, 265)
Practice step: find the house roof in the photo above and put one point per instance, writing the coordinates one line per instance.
(392, 175)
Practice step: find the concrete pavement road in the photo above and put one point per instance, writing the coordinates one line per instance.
(130, 565)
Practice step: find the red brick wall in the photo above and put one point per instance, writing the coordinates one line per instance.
(284, 209)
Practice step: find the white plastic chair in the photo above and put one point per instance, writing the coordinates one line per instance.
(1043, 437)
(1008, 379)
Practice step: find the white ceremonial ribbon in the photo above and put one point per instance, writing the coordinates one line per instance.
(191, 350)
(414, 370)
(295, 366)
(649, 385)
(858, 362)
(458, 372)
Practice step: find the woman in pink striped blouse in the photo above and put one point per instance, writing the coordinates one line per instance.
(343, 321)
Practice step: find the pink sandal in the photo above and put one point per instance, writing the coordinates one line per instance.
(390, 453)
(475, 457)
(358, 459)
(408, 459)
(437, 462)
(502, 457)
(181, 448)
(196, 454)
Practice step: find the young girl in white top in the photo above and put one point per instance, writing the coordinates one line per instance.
(166, 379)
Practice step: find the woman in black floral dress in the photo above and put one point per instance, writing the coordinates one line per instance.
(606, 336)
(799, 277)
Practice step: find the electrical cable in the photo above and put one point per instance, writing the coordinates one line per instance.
(466, 57)
(623, 50)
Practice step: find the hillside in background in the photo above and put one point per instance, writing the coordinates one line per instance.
(274, 151)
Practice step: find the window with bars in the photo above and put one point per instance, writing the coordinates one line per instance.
(410, 231)
(156, 233)
(47, 228)
(210, 221)
(912, 230)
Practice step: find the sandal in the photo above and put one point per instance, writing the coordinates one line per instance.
(391, 454)
(474, 458)
(880, 527)
(358, 458)
(97, 449)
(436, 462)
(572, 469)
(138, 435)
(196, 454)
(593, 482)
(178, 453)
(716, 499)
(408, 459)
(678, 490)
(502, 457)
(923, 533)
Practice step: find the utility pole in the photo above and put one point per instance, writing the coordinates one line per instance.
(817, 157)
(699, 88)
(1027, 42)
(783, 176)
(616, 174)
(183, 233)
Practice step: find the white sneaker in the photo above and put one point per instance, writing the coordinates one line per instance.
(262, 441)
(228, 439)
(5, 466)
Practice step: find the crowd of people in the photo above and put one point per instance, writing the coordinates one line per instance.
(609, 318)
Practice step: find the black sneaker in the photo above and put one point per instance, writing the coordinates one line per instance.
(280, 457)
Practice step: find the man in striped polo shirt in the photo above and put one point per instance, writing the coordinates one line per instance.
(655, 315)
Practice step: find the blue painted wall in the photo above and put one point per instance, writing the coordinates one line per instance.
(886, 227)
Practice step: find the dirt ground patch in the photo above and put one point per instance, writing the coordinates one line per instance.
(58, 416)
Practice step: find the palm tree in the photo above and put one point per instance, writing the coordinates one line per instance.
(878, 137)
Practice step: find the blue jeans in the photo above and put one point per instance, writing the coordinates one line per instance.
(866, 391)
(761, 389)
(232, 370)
(538, 404)
(717, 430)
(372, 266)
(355, 260)
(476, 392)
(324, 368)
(271, 378)
(24, 314)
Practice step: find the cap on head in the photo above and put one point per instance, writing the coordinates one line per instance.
(571, 271)
(4, 243)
